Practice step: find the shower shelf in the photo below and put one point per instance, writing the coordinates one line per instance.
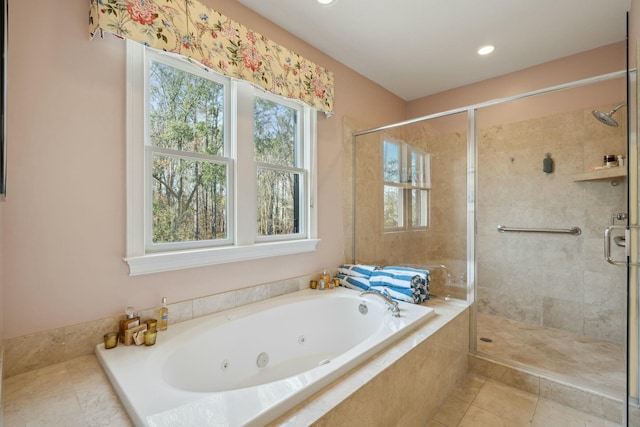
(608, 173)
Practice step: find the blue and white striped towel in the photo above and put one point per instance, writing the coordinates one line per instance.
(357, 270)
(402, 283)
(355, 276)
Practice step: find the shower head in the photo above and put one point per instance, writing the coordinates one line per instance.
(606, 117)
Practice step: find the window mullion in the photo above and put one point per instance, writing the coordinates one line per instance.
(245, 170)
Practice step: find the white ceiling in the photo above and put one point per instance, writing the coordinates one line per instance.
(416, 48)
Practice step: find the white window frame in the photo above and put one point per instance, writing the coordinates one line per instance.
(303, 160)
(406, 187)
(243, 244)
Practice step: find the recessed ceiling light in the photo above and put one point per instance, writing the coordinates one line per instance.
(325, 1)
(485, 50)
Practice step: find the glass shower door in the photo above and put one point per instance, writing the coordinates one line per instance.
(547, 302)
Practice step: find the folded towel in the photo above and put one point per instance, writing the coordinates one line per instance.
(355, 276)
(357, 270)
(357, 283)
(402, 283)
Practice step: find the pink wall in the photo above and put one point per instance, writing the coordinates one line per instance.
(595, 62)
(63, 223)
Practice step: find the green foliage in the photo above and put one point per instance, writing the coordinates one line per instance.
(275, 143)
(189, 195)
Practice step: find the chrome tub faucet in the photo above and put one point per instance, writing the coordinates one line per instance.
(391, 304)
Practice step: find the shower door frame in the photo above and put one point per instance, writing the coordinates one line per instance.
(633, 317)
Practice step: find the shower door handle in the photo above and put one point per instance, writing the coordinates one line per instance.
(627, 239)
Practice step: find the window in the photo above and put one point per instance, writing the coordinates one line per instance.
(188, 157)
(406, 172)
(217, 170)
(280, 172)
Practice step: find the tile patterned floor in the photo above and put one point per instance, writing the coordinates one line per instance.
(478, 402)
(77, 393)
(586, 362)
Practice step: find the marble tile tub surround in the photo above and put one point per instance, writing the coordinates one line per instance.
(403, 385)
(557, 281)
(25, 353)
(77, 393)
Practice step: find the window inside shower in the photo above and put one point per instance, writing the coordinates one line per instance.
(406, 185)
(410, 204)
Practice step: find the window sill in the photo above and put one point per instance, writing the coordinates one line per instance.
(170, 261)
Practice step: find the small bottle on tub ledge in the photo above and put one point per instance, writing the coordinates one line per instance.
(163, 319)
(327, 280)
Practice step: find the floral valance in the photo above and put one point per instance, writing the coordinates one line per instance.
(189, 28)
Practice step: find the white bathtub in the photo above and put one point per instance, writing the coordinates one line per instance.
(206, 371)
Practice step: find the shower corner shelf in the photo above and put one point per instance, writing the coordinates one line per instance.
(608, 173)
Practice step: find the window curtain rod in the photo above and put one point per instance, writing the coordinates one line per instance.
(189, 28)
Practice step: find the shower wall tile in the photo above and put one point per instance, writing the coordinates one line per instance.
(597, 218)
(491, 247)
(524, 191)
(602, 193)
(487, 300)
(563, 251)
(524, 248)
(518, 304)
(600, 289)
(493, 275)
(494, 191)
(561, 192)
(489, 218)
(563, 284)
(524, 278)
(604, 322)
(563, 314)
(565, 217)
(567, 273)
(519, 216)
(524, 307)
(594, 259)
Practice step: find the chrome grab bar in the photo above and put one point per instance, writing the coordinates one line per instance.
(573, 230)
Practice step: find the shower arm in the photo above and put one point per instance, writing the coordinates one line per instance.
(616, 108)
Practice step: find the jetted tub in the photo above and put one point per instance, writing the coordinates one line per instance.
(251, 364)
